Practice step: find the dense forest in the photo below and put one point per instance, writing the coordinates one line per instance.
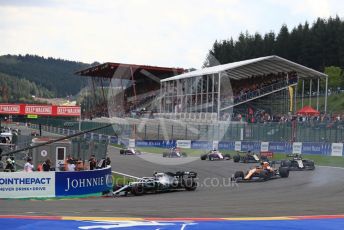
(317, 46)
(53, 77)
(13, 89)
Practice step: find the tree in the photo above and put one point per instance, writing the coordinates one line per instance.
(335, 77)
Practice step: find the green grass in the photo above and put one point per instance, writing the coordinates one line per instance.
(318, 159)
(121, 180)
(335, 103)
(118, 146)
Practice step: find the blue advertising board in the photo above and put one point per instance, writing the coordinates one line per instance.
(312, 148)
(279, 147)
(156, 143)
(202, 145)
(113, 140)
(95, 136)
(86, 182)
(250, 146)
(227, 145)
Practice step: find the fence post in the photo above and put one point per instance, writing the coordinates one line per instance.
(158, 132)
(186, 132)
(199, 132)
(172, 132)
(145, 131)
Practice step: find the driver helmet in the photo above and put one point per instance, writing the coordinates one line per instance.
(266, 164)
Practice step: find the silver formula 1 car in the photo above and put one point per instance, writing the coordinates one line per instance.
(160, 182)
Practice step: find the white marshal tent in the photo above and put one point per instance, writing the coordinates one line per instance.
(206, 93)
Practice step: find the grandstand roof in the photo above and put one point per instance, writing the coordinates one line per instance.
(116, 70)
(253, 67)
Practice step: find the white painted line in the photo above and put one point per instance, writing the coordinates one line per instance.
(127, 175)
(333, 167)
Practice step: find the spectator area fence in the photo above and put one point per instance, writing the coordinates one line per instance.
(330, 132)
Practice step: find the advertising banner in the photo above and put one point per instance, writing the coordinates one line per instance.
(23, 184)
(264, 146)
(207, 145)
(156, 143)
(313, 148)
(39, 109)
(86, 182)
(250, 146)
(215, 144)
(278, 147)
(113, 140)
(230, 145)
(297, 147)
(131, 143)
(337, 149)
(73, 111)
(9, 109)
(42, 110)
(185, 144)
(237, 146)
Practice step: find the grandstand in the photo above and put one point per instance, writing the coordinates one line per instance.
(123, 87)
(221, 92)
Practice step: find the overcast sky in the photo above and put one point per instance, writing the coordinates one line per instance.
(173, 33)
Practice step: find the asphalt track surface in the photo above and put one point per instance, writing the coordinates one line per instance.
(318, 192)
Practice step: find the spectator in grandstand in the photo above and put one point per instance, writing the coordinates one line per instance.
(28, 167)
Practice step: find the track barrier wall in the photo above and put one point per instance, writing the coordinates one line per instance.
(317, 148)
(54, 184)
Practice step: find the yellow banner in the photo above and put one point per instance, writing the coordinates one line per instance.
(291, 93)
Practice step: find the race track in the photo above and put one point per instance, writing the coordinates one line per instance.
(303, 193)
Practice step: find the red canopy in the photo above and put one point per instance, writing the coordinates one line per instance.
(308, 111)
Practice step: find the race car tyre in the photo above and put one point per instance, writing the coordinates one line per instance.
(286, 163)
(284, 172)
(227, 156)
(164, 154)
(203, 157)
(190, 184)
(239, 174)
(236, 158)
(184, 155)
(137, 190)
(121, 151)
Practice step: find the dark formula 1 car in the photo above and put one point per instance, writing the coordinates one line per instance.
(129, 151)
(160, 182)
(296, 163)
(215, 155)
(174, 153)
(261, 175)
(246, 158)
